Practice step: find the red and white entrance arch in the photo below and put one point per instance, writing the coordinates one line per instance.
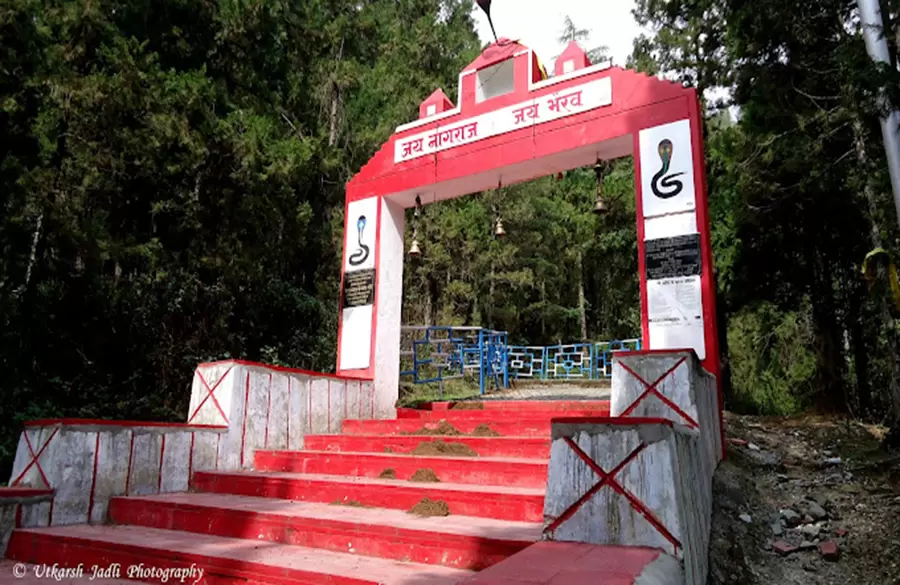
(514, 124)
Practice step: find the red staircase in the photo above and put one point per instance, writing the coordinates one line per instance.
(338, 512)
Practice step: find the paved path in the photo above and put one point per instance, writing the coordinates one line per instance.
(569, 390)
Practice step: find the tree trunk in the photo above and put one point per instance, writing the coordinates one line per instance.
(722, 312)
(429, 307)
(32, 256)
(334, 114)
(825, 331)
(861, 365)
(543, 311)
(582, 312)
(491, 299)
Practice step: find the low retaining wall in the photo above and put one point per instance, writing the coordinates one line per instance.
(631, 481)
(236, 408)
(671, 385)
(267, 407)
(21, 507)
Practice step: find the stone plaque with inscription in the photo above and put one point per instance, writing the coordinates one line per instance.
(359, 288)
(672, 257)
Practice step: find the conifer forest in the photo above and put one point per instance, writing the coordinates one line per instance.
(172, 179)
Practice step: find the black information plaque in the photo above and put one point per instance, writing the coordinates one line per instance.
(359, 288)
(672, 257)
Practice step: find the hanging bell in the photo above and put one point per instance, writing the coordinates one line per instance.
(600, 204)
(498, 229)
(414, 250)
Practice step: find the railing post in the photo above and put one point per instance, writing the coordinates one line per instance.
(505, 361)
(481, 361)
(544, 363)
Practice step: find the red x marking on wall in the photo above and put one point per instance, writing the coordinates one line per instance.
(651, 389)
(610, 480)
(210, 393)
(35, 458)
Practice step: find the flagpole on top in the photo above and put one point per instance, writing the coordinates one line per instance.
(486, 6)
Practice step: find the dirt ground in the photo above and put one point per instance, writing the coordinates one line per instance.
(816, 481)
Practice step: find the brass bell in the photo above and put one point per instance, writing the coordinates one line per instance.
(498, 229)
(600, 205)
(414, 250)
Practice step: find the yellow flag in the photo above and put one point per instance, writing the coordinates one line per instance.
(870, 272)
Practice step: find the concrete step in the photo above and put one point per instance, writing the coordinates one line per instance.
(523, 426)
(463, 542)
(499, 502)
(526, 447)
(491, 415)
(504, 406)
(575, 563)
(503, 471)
(224, 561)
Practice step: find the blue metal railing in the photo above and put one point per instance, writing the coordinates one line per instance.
(446, 353)
(435, 354)
(577, 361)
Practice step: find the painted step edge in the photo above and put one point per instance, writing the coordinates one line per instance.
(495, 415)
(462, 551)
(464, 470)
(521, 447)
(48, 546)
(519, 504)
(518, 405)
(519, 428)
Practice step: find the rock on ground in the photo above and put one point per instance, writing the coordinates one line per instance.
(847, 524)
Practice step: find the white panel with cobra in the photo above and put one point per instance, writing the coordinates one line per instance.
(361, 240)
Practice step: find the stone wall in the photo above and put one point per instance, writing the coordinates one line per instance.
(642, 477)
(236, 408)
(670, 385)
(653, 495)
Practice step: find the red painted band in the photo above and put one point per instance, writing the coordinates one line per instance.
(651, 389)
(79, 422)
(130, 458)
(278, 369)
(687, 418)
(93, 479)
(641, 509)
(309, 405)
(191, 462)
(653, 352)
(211, 393)
(35, 458)
(162, 454)
(611, 420)
(605, 479)
(268, 413)
(244, 422)
(24, 492)
(290, 400)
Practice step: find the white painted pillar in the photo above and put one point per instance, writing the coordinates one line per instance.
(389, 303)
